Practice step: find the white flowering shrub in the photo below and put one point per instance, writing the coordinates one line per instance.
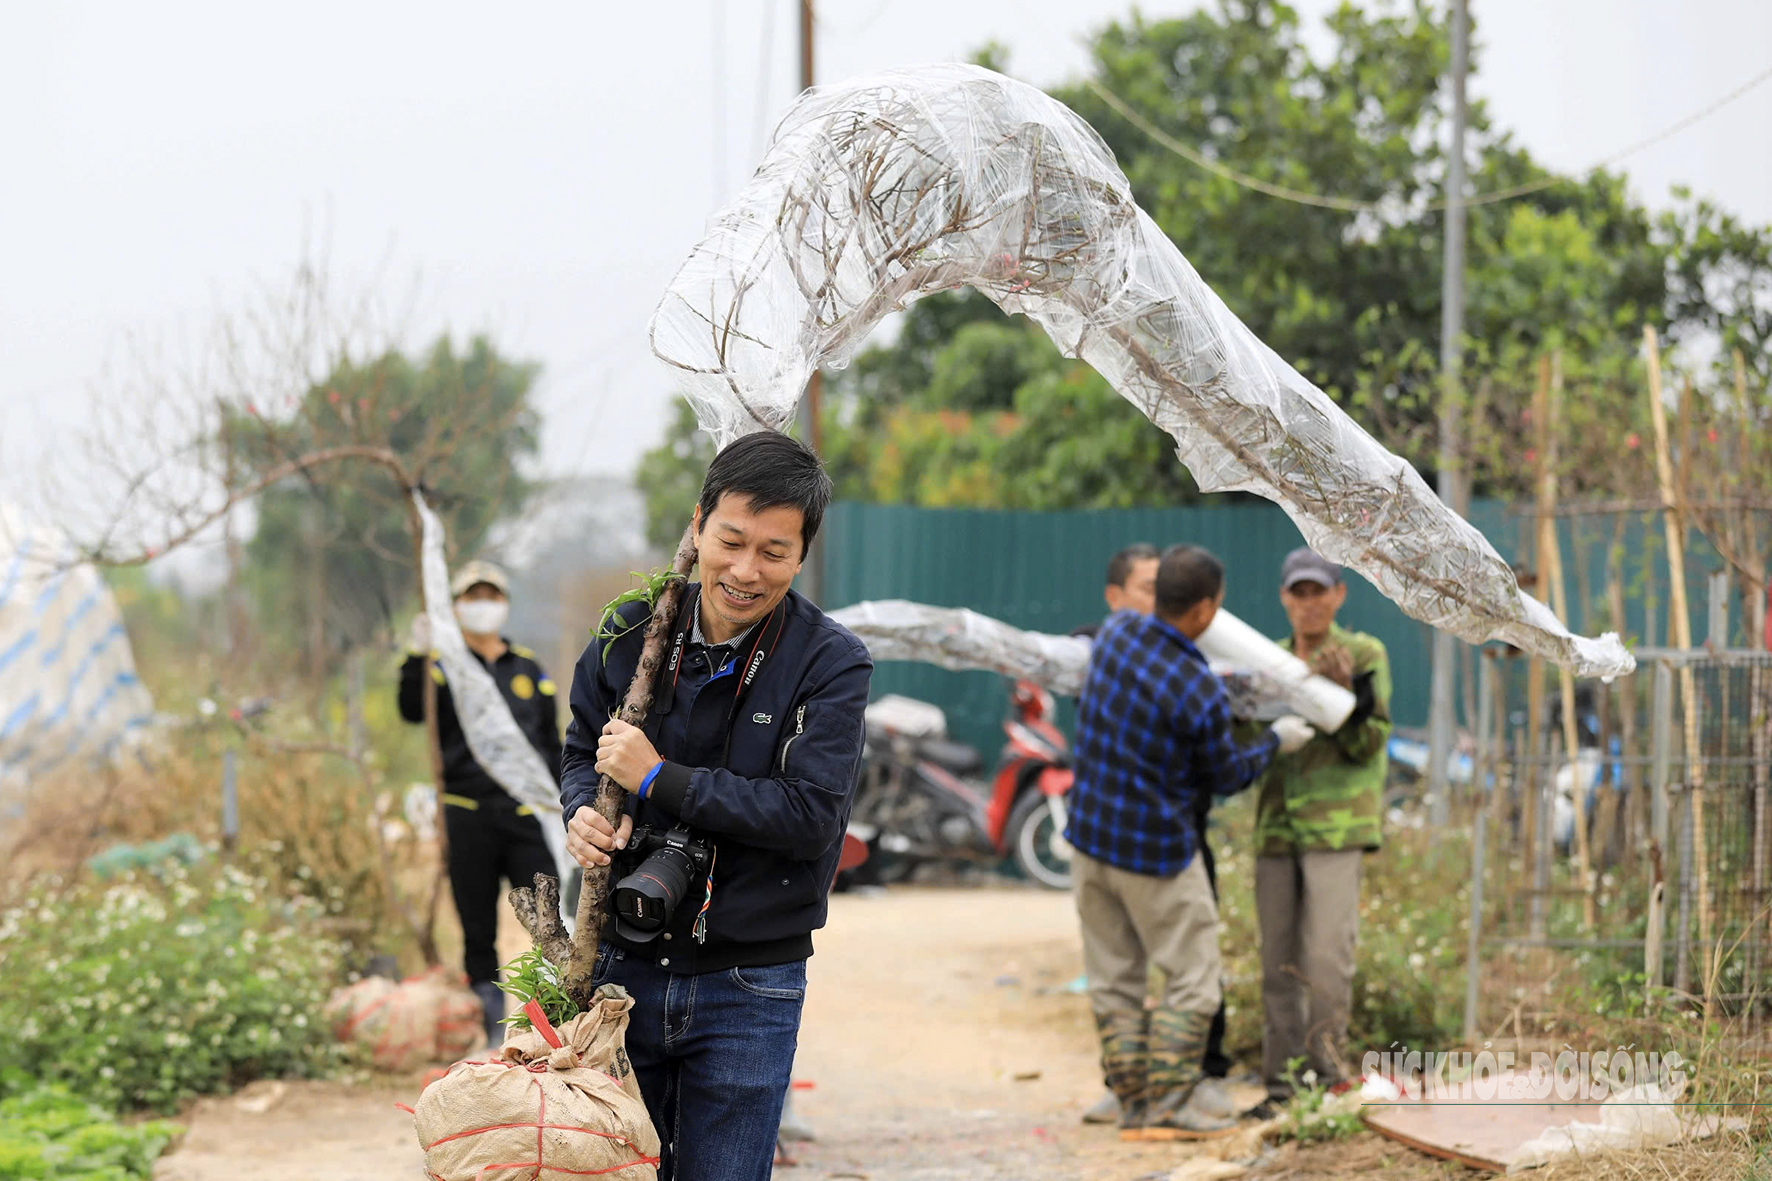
(144, 991)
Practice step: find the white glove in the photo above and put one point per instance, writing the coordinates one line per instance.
(418, 636)
(1293, 732)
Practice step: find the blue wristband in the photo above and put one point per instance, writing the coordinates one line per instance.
(646, 783)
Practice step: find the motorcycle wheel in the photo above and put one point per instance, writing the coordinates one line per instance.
(1039, 851)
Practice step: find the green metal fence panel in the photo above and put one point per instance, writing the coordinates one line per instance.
(1044, 571)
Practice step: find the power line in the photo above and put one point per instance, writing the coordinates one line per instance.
(1351, 205)
(717, 89)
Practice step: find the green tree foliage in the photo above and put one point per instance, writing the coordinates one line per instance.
(670, 477)
(333, 554)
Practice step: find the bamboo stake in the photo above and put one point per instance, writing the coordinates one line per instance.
(1673, 520)
(1760, 703)
(1535, 667)
(1550, 552)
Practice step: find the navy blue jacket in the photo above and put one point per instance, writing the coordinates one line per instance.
(770, 782)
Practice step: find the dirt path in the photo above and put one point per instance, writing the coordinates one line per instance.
(938, 1041)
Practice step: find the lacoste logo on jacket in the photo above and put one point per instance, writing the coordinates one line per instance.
(761, 719)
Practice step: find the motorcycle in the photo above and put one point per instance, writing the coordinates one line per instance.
(922, 798)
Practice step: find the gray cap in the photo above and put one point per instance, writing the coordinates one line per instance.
(1306, 565)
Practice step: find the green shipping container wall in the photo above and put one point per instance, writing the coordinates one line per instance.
(1044, 571)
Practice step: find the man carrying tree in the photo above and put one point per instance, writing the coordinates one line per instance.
(739, 789)
(491, 835)
(1317, 814)
(1153, 733)
(1132, 586)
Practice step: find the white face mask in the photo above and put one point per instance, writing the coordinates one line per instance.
(482, 616)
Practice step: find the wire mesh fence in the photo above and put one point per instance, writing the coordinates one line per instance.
(1643, 860)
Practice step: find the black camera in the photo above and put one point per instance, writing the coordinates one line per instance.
(671, 865)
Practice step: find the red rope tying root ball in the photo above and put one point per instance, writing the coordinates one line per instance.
(474, 1123)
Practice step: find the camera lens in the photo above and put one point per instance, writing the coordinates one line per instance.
(648, 897)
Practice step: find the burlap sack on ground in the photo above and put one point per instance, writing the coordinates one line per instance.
(352, 1003)
(569, 1106)
(427, 1018)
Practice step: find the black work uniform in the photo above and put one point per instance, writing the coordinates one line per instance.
(491, 835)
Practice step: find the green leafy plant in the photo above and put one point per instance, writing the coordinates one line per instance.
(50, 1132)
(611, 626)
(147, 990)
(1315, 1114)
(531, 977)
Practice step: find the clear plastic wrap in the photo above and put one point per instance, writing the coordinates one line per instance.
(883, 189)
(955, 638)
(499, 745)
(68, 688)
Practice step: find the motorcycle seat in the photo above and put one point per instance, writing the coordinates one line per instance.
(954, 757)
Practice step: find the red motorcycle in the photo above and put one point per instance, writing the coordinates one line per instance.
(923, 798)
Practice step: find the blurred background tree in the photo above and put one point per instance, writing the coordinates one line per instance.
(332, 554)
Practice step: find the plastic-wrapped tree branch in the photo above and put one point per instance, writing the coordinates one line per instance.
(955, 638)
(884, 189)
(1261, 677)
(486, 722)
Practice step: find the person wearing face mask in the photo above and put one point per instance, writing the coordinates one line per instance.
(491, 836)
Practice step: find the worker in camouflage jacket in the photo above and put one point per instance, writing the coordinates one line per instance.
(1317, 814)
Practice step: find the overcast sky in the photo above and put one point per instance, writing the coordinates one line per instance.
(544, 167)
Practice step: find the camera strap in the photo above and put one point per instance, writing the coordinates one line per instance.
(699, 932)
(764, 639)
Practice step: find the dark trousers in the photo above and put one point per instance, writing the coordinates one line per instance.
(713, 1053)
(1214, 1064)
(487, 843)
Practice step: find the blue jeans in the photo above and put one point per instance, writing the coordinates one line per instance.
(714, 1054)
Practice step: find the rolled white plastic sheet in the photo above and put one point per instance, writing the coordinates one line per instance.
(68, 688)
(498, 743)
(883, 189)
(1233, 644)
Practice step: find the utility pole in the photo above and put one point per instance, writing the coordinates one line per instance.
(1450, 462)
(812, 573)
(717, 76)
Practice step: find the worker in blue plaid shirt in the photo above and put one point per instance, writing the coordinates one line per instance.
(1153, 732)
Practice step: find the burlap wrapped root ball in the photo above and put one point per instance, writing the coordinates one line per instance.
(563, 1102)
(431, 1017)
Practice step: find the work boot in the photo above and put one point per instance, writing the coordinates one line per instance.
(492, 1006)
(792, 1126)
(1179, 1115)
(1213, 1097)
(1268, 1109)
(1105, 1111)
(1124, 1062)
(1177, 1111)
